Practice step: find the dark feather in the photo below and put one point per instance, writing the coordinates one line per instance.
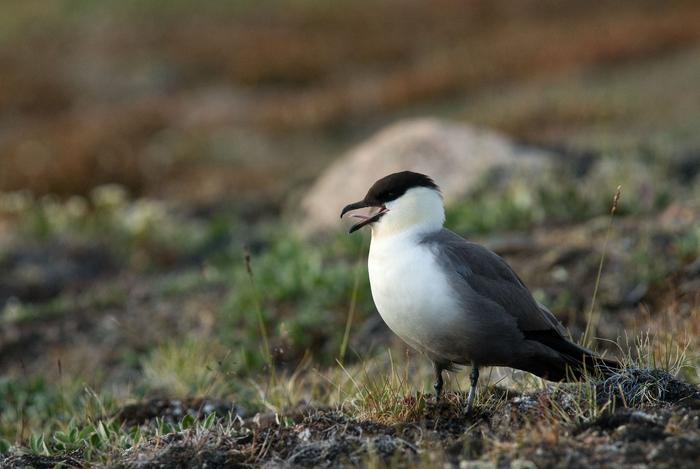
(578, 360)
(494, 297)
(491, 277)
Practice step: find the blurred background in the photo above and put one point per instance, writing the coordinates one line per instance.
(146, 146)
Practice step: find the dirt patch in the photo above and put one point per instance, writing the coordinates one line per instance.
(312, 437)
(41, 271)
(126, 315)
(173, 410)
(40, 462)
(515, 429)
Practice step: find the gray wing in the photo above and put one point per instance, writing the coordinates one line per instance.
(482, 272)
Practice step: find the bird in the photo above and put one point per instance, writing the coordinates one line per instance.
(453, 300)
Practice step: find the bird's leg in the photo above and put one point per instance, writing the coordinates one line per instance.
(474, 377)
(437, 385)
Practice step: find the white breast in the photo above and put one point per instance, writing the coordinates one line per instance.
(413, 296)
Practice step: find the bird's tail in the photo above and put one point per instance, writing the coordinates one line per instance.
(590, 363)
(571, 361)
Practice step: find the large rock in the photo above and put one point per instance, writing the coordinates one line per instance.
(457, 156)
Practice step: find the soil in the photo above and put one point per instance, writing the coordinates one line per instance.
(173, 410)
(519, 432)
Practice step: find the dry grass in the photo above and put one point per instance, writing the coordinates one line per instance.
(385, 395)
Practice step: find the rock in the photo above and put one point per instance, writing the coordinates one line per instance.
(477, 464)
(457, 156)
(522, 464)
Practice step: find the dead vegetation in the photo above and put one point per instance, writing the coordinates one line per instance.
(535, 429)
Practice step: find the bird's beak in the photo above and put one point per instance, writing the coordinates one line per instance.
(365, 219)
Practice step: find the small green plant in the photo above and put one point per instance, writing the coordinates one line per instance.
(519, 204)
(37, 445)
(142, 231)
(5, 446)
(187, 367)
(33, 405)
(687, 246)
(303, 290)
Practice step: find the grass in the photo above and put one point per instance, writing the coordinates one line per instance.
(307, 290)
(190, 367)
(281, 337)
(385, 396)
(378, 389)
(284, 345)
(33, 403)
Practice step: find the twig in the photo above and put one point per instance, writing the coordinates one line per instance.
(258, 310)
(594, 317)
(353, 304)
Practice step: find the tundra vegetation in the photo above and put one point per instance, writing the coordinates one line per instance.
(158, 309)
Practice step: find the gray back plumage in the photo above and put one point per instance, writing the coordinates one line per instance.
(503, 324)
(476, 271)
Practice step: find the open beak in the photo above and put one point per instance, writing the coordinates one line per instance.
(366, 220)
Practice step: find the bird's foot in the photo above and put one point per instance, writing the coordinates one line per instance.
(468, 411)
(437, 386)
(469, 408)
(474, 378)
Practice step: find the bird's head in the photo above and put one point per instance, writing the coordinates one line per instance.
(399, 202)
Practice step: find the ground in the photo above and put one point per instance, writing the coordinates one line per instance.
(157, 310)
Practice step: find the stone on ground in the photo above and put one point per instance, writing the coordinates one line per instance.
(457, 156)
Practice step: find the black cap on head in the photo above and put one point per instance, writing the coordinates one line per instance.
(385, 190)
(395, 185)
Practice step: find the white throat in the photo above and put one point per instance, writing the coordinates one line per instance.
(419, 210)
(410, 290)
